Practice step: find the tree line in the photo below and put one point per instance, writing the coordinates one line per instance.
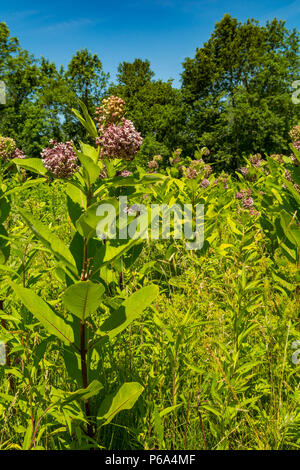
(235, 95)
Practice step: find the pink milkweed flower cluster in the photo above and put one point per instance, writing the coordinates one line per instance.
(297, 145)
(118, 137)
(277, 157)
(223, 178)
(295, 136)
(191, 173)
(288, 177)
(120, 141)
(176, 157)
(19, 154)
(204, 183)
(60, 160)
(196, 168)
(9, 150)
(124, 173)
(248, 202)
(256, 160)
(243, 193)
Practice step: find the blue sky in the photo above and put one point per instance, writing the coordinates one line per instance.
(163, 31)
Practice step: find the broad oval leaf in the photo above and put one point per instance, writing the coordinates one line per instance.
(129, 310)
(124, 399)
(54, 324)
(83, 298)
(92, 170)
(31, 164)
(50, 240)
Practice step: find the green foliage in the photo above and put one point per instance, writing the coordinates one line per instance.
(238, 89)
(207, 359)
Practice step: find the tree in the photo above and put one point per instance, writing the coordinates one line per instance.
(87, 80)
(134, 76)
(238, 89)
(21, 116)
(154, 106)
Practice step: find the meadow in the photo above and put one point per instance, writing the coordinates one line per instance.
(141, 343)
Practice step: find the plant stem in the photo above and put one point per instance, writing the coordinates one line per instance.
(7, 356)
(85, 377)
(83, 351)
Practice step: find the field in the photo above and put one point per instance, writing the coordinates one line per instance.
(143, 343)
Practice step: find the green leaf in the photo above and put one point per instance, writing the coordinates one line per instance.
(27, 184)
(129, 310)
(92, 170)
(88, 221)
(4, 245)
(169, 409)
(87, 123)
(112, 250)
(83, 298)
(88, 119)
(279, 279)
(74, 210)
(90, 151)
(32, 164)
(84, 393)
(290, 227)
(54, 324)
(50, 240)
(4, 209)
(124, 399)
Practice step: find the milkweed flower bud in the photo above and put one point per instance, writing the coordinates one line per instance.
(277, 157)
(244, 170)
(111, 110)
(60, 160)
(295, 133)
(153, 165)
(256, 160)
(7, 147)
(9, 150)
